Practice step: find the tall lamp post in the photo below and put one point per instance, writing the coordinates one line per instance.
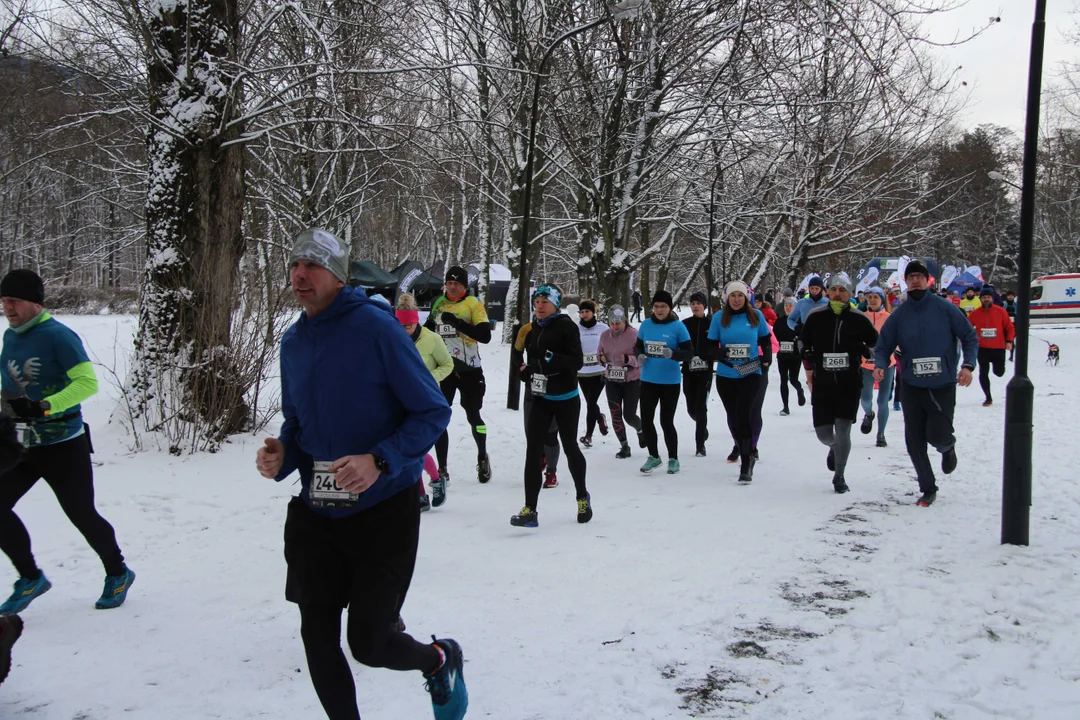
(623, 10)
(1020, 392)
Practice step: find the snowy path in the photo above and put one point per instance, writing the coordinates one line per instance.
(686, 595)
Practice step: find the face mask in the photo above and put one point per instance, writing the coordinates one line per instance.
(837, 306)
(916, 294)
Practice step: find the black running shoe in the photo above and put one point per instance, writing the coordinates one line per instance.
(867, 424)
(11, 627)
(881, 440)
(624, 451)
(586, 441)
(948, 460)
(734, 456)
(802, 397)
(785, 412)
(927, 499)
(746, 470)
(641, 439)
(483, 470)
(700, 451)
(839, 485)
(830, 460)
(584, 509)
(526, 518)
(602, 422)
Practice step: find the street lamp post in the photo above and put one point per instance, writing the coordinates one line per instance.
(623, 10)
(1020, 392)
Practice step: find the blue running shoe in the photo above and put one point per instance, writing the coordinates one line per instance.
(449, 697)
(25, 592)
(116, 590)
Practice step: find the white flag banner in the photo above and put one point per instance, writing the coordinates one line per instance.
(974, 271)
(868, 280)
(948, 275)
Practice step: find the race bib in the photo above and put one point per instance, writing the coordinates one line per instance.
(616, 374)
(748, 368)
(835, 361)
(325, 493)
(655, 349)
(538, 384)
(590, 359)
(787, 346)
(697, 363)
(926, 367)
(738, 352)
(989, 332)
(446, 331)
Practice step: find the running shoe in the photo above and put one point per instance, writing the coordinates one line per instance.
(551, 480)
(26, 591)
(867, 424)
(483, 469)
(449, 696)
(584, 509)
(526, 518)
(116, 590)
(624, 451)
(651, 464)
(603, 424)
(673, 466)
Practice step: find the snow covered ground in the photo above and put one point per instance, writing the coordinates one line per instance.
(686, 596)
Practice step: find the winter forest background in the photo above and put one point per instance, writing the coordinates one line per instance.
(161, 155)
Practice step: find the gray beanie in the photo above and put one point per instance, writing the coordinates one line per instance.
(320, 246)
(841, 279)
(616, 313)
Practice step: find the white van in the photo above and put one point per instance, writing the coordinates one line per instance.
(1055, 298)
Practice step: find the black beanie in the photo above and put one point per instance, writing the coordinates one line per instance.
(587, 305)
(663, 296)
(916, 267)
(457, 274)
(816, 282)
(987, 290)
(699, 297)
(24, 285)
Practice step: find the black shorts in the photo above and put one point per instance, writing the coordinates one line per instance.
(336, 561)
(471, 384)
(831, 403)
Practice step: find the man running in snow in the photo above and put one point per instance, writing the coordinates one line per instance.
(797, 317)
(926, 329)
(47, 375)
(996, 334)
(462, 322)
(361, 411)
(836, 338)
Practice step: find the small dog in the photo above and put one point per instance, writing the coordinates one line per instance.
(1053, 354)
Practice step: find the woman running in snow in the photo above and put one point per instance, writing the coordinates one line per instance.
(591, 375)
(663, 342)
(622, 376)
(878, 313)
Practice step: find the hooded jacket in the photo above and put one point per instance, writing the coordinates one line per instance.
(927, 330)
(352, 383)
(554, 351)
(620, 350)
(836, 343)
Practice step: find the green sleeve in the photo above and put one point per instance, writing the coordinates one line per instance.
(443, 361)
(83, 385)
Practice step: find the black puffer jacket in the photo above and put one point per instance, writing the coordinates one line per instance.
(836, 345)
(554, 352)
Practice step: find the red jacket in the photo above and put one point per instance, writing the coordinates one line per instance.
(770, 316)
(994, 327)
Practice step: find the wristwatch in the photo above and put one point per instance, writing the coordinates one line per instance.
(381, 464)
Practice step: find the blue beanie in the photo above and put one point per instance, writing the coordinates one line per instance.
(877, 291)
(551, 293)
(817, 282)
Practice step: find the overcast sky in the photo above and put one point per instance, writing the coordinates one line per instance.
(995, 64)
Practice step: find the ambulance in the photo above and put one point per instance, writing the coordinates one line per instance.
(1055, 299)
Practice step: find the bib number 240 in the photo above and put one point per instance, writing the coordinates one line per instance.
(325, 493)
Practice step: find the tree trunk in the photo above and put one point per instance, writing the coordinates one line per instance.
(185, 379)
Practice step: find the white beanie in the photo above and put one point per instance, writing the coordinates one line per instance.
(737, 286)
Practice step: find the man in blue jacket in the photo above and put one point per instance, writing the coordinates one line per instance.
(926, 329)
(817, 298)
(361, 412)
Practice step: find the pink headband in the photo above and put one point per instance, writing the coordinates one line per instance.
(408, 317)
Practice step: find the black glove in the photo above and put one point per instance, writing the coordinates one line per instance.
(807, 355)
(449, 318)
(24, 407)
(867, 352)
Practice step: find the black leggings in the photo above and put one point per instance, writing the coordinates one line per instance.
(668, 398)
(565, 414)
(320, 629)
(622, 399)
(592, 386)
(66, 467)
(789, 365)
(988, 358)
(551, 440)
(696, 392)
(738, 395)
(473, 387)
